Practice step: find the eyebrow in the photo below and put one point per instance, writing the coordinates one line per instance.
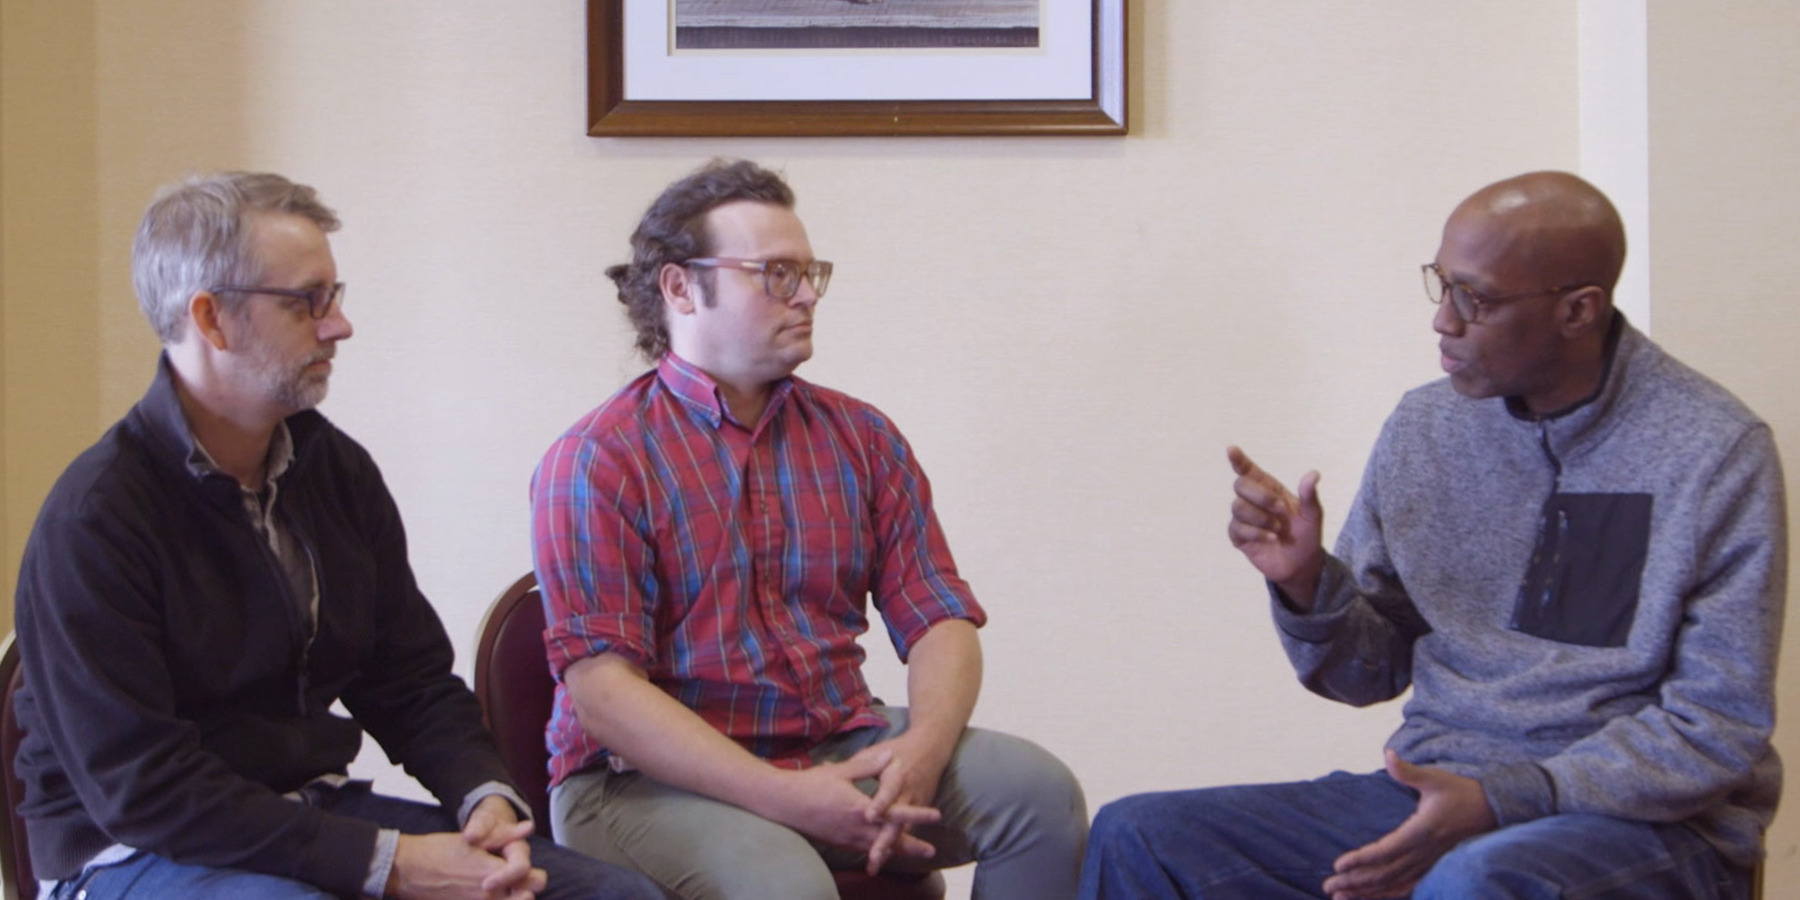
(1479, 285)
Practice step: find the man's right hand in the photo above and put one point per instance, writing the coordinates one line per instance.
(1277, 530)
(446, 865)
(823, 802)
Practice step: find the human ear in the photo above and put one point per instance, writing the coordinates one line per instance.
(679, 291)
(204, 314)
(1584, 309)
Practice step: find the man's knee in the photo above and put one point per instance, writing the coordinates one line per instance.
(699, 848)
(739, 870)
(1006, 770)
(802, 876)
(1488, 863)
(1122, 818)
(1126, 823)
(1006, 778)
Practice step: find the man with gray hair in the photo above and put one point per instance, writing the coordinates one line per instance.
(210, 578)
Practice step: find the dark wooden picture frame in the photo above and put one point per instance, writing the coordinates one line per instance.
(611, 115)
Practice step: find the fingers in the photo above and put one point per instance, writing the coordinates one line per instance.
(497, 837)
(487, 821)
(514, 870)
(1242, 534)
(1260, 489)
(1309, 494)
(1370, 871)
(893, 781)
(476, 830)
(1254, 521)
(864, 764)
(882, 846)
(909, 815)
(1377, 854)
(1240, 461)
(894, 842)
(1262, 501)
(1388, 867)
(534, 885)
(912, 846)
(1400, 770)
(1396, 880)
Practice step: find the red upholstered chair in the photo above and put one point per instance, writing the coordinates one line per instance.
(15, 857)
(513, 682)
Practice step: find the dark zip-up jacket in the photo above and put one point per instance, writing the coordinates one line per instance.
(171, 693)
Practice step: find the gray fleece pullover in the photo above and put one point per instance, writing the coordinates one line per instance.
(1588, 606)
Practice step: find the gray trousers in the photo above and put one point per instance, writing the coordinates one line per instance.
(1008, 806)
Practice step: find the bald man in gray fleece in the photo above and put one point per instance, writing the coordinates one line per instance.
(1573, 550)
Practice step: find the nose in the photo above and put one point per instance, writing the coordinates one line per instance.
(335, 326)
(1445, 321)
(804, 295)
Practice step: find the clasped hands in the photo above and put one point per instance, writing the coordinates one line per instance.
(823, 802)
(488, 860)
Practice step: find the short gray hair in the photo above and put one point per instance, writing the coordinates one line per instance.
(196, 235)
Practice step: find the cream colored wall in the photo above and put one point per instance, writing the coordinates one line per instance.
(49, 350)
(1724, 153)
(1069, 331)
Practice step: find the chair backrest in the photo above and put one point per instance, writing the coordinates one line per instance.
(15, 854)
(512, 680)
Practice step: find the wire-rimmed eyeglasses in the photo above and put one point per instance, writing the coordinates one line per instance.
(1467, 301)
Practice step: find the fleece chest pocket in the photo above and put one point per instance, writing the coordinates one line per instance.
(1582, 584)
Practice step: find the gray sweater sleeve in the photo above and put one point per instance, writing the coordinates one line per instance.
(1708, 726)
(1356, 644)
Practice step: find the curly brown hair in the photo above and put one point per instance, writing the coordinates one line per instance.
(673, 230)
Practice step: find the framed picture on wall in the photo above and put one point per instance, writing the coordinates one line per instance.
(855, 67)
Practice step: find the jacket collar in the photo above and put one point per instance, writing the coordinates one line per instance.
(1587, 421)
(160, 424)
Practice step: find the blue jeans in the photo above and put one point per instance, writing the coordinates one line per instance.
(146, 876)
(1279, 840)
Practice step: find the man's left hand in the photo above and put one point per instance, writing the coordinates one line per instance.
(494, 826)
(911, 778)
(1451, 809)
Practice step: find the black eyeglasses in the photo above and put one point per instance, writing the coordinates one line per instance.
(319, 300)
(781, 277)
(1467, 301)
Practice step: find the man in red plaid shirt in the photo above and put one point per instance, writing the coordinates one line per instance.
(708, 541)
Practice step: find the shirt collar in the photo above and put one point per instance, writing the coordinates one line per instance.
(281, 455)
(698, 390)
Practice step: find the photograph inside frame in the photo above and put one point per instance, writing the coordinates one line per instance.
(855, 24)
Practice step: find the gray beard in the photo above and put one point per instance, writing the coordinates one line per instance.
(292, 388)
